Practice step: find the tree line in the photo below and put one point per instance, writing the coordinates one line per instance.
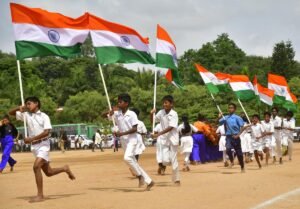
(75, 84)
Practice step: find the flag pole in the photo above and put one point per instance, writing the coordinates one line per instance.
(213, 98)
(154, 98)
(244, 110)
(22, 95)
(105, 90)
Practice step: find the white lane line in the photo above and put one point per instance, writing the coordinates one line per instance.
(277, 199)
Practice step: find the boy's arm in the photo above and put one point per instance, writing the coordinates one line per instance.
(163, 132)
(42, 135)
(14, 111)
(241, 131)
(130, 131)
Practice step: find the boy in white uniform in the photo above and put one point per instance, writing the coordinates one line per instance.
(162, 151)
(185, 131)
(141, 132)
(168, 119)
(269, 135)
(277, 122)
(222, 143)
(257, 133)
(39, 127)
(288, 127)
(127, 123)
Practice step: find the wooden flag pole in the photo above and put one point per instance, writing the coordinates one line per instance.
(220, 111)
(244, 110)
(22, 96)
(106, 94)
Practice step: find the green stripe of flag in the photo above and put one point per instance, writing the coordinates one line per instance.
(112, 54)
(27, 49)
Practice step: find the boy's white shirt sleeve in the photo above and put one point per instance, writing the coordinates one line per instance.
(157, 128)
(173, 120)
(20, 115)
(47, 122)
(157, 116)
(293, 124)
(133, 120)
(143, 129)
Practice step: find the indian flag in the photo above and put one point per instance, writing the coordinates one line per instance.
(166, 56)
(242, 87)
(41, 33)
(165, 50)
(291, 102)
(265, 95)
(115, 43)
(280, 87)
(173, 77)
(213, 84)
(223, 76)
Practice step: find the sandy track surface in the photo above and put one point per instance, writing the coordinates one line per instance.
(103, 181)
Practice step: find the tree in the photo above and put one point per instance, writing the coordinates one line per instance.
(283, 62)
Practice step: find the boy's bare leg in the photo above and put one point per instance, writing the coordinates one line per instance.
(256, 154)
(267, 151)
(54, 171)
(37, 169)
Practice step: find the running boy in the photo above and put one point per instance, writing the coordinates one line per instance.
(127, 123)
(277, 122)
(257, 133)
(39, 127)
(7, 134)
(168, 119)
(269, 135)
(288, 127)
(185, 131)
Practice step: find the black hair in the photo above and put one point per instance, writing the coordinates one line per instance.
(33, 99)
(137, 112)
(290, 114)
(232, 104)
(267, 113)
(168, 98)
(124, 97)
(256, 116)
(275, 108)
(98, 131)
(200, 117)
(245, 119)
(5, 117)
(186, 125)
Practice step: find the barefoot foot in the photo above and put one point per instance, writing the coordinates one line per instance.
(37, 199)
(69, 172)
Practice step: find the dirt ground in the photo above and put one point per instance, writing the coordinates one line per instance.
(103, 181)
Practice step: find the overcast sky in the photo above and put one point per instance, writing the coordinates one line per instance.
(254, 25)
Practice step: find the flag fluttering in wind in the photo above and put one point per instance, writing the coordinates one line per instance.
(213, 84)
(173, 77)
(115, 43)
(291, 102)
(265, 95)
(41, 33)
(280, 86)
(242, 87)
(166, 56)
(223, 76)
